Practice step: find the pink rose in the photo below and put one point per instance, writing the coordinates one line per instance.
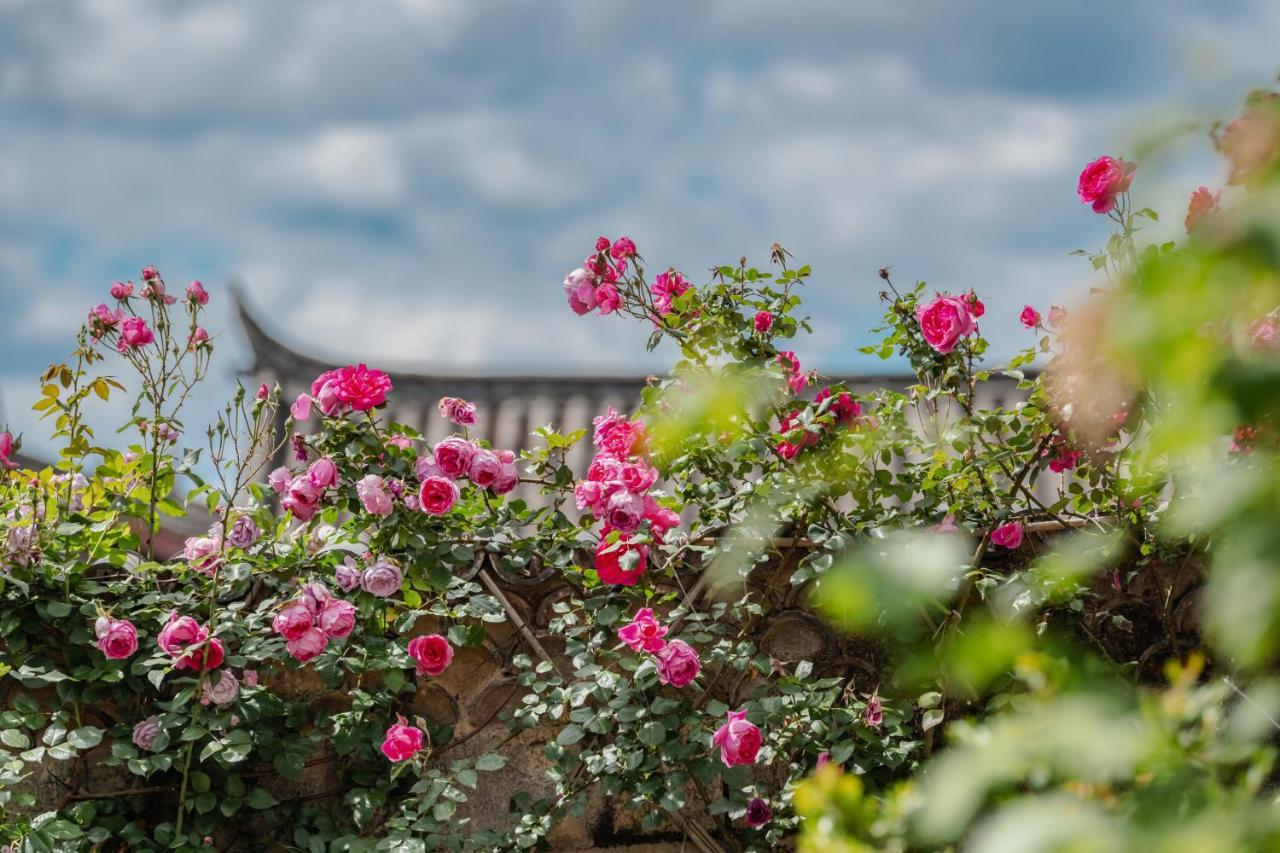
(623, 248)
(149, 273)
(196, 293)
(624, 511)
(659, 517)
(121, 290)
(323, 473)
(346, 575)
(874, 715)
(580, 290)
(307, 645)
(279, 479)
(796, 380)
(678, 664)
(644, 633)
(588, 495)
(454, 455)
(382, 579)
(144, 733)
(134, 333)
(198, 337)
(508, 479)
(402, 742)
(203, 552)
(1103, 180)
(620, 563)
(7, 449)
(608, 298)
(373, 494)
(251, 677)
(1030, 317)
(1203, 203)
(617, 434)
(485, 468)
(739, 740)
(458, 410)
(117, 638)
(221, 689)
(263, 392)
(437, 495)
(666, 287)
(337, 618)
(944, 321)
(360, 388)
(1008, 535)
(763, 321)
(103, 319)
(301, 408)
(302, 498)
(432, 654)
(243, 532)
(324, 393)
(293, 620)
(178, 633)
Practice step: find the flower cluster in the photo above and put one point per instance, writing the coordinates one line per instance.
(454, 458)
(794, 436)
(354, 388)
(594, 285)
(310, 621)
(616, 492)
(302, 494)
(677, 662)
(189, 644)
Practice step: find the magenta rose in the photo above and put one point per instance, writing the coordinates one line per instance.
(432, 654)
(307, 645)
(6, 449)
(197, 294)
(117, 638)
(145, 731)
(1103, 180)
(437, 495)
(485, 468)
(607, 298)
(644, 633)
(739, 740)
(178, 633)
(134, 333)
(323, 473)
(454, 456)
(623, 248)
(666, 287)
(361, 388)
(373, 494)
(293, 620)
(1030, 317)
(678, 664)
(944, 321)
(763, 321)
(337, 618)
(1007, 535)
(382, 579)
(402, 742)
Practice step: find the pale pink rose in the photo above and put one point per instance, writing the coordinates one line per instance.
(432, 654)
(1203, 203)
(121, 290)
(323, 473)
(1057, 316)
(1264, 333)
(437, 495)
(678, 664)
(763, 321)
(279, 480)
(220, 689)
(644, 633)
(508, 479)
(1029, 317)
(307, 645)
(739, 740)
(346, 575)
(196, 293)
(203, 552)
(144, 733)
(117, 638)
(944, 321)
(624, 511)
(580, 290)
(947, 525)
(301, 408)
(454, 455)
(315, 596)
(293, 620)
(485, 468)
(251, 678)
(382, 579)
(608, 299)
(373, 495)
(588, 495)
(1102, 181)
(134, 333)
(1008, 535)
(402, 742)
(337, 618)
(244, 532)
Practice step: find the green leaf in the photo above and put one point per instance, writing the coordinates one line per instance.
(15, 739)
(86, 737)
(260, 799)
(653, 733)
(491, 761)
(570, 735)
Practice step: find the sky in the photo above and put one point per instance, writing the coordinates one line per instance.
(406, 182)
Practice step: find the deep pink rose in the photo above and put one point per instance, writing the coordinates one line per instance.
(373, 494)
(485, 468)
(763, 321)
(402, 742)
(432, 654)
(666, 287)
(508, 479)
(263, 392)
(1066, 459)
(1030, 317)
(580, 290)
(117, 638)
(361, 388)
(121, 290)
(307, 645)
(678, 664)
(337, 618)
(134, 333)
(620, 563)
(624, 511)
(178, 633)
(302, 498)
(796, 379)
(209, 654)
(844, 408)
(382, 579)
(1203, 203)
(944, 321)
(6, 449)
(659, 517)
(644, 633)
(437, 495)
(293, 620)
(454, 456)
(323, 473)
(739, 740)
(976, 308)
(623, 248)
(196, 293)
(1103, 180)
(607, 298)
(1008, 535)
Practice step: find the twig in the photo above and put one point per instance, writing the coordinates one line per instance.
(514, 616)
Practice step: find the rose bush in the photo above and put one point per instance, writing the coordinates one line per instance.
(982, 564)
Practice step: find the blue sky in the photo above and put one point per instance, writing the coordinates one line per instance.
(407, 181)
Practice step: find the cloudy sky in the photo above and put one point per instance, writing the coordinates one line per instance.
(407, 181)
